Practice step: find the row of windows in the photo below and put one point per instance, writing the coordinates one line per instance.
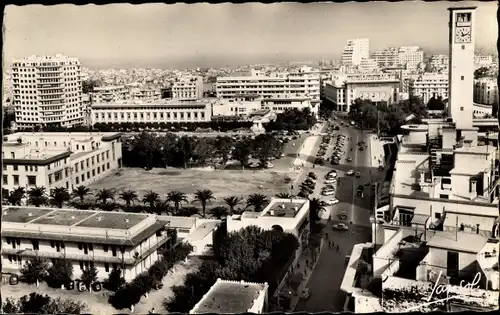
(31, 180)
(81, 178)
(148, 115)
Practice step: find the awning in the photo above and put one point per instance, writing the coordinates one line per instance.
(419, 219)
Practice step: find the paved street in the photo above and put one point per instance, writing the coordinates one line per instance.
(327, 276)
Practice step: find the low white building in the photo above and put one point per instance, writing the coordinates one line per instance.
(233, 297)
(240, 106)
(280, 104)
(159, 111)
(109, 94)
(429, 85)
(105, 240)
(59, 159)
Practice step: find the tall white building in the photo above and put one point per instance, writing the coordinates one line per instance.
(356, 50)
(439, 62)
(368, 65)
(47, 90)
(188, 88)
(410, 57)
(429, 85)
(485, 91)
(461, 70)
(387, 57)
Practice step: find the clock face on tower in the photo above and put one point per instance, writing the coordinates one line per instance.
(462, 35)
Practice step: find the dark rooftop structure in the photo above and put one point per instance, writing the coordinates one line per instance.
(229, 297)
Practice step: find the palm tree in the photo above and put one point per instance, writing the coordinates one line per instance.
(59, 195)
(104, 194)
(81, 192)
(37, 196)
(129, 196)
(16, 196)
(315, 207)
(219, 212)
(204, 197)
(257, 201)
(176, 197)
(284, 196)
(232, 202)
(151, 198)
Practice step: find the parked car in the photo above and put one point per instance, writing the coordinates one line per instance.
(343, 215)
(349, 159)
(312, 175)
(319, 161)
(335, 162)
(328, 192)
(340, 226)
(358, 174)
(332, 174)
(306, 293)
(331, 181)
(350, 172)
(332, 201)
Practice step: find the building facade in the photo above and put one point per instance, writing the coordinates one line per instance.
(109, 94)
(486, 91)
(386, 58)
(188, 88)
(159, 111)
(410, 57)
(58, 159)
(303, 82)
(429, 85)
(104, 240)
(439, 62)
(356, 50)
(47, 91)
(368, 65)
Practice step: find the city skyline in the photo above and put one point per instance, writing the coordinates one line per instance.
(157, 35)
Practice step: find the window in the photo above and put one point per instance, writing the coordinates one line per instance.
(5, 179)
(462, 78)
(16, 179)
(105, 248)
(5, 167)
(15, 167)
(443, 196)
(36, 244)
(80, 246)
(106, 267)
(81, 265)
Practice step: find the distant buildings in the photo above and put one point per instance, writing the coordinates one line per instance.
(109, 94)
(439, 63)
(429, 85)
(47, 91)
(58, 159)
(483, 61)
(227, 297)
(368, 66)
(486, 91)
(343, 90)
(386, 58)
(152, 111)
(188, 88)
(410, 57)
(356, 50)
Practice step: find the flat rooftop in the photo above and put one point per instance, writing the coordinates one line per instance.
(23, 215)
(460, 241)
(112, 220)
(226, 297)
(63, 217)
(283, 208)
(483, 149)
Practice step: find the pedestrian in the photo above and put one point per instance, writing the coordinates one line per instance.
(329, 244)
(337, 248)
(307, 263)
(333, 243)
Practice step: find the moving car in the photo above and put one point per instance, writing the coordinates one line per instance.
(331, 181)
(343, 215)
(358, 174)
(349, 159)
(332, 201)
(328, 192)
(306, 293)
(340, 226)
(331, 174)
(350, 172)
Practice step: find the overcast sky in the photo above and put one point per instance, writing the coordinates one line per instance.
(158, 34)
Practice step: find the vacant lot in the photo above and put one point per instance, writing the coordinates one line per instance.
(222, 183)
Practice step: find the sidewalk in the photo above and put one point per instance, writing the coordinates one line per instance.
(306, 271)
(376, 151)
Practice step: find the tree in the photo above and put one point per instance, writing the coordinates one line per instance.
(58, 196)
(60, 273)
(105, 194)
(223, 146)
(204, 197)
(232, 202)
(257, 201)
(176, 197)
(152, 199)
(34, 270)
(81, 192)
(219, 212)
(64, 306)
(33, 303)
(37, 196)
(115, 280)
(241, 153)
(185, 149)
(16, 196)
(284, 196)
(481, 72)
(129, 196)
(203, 150)
(11, 306)
(144, 283)
(315, 207)
(89, 276)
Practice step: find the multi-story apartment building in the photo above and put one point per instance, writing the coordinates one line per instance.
(439, 62)
(280, 104)
(105, 240)
(483, 61)
(159, 111)
(58, 159)
(356, 50)
(386, 58)
(368, 65)
(188, 88)
(109, 94)
(47, 91)
(303, 82)
(429, 85)
(343, 90)
(410, 57)
(486, 91)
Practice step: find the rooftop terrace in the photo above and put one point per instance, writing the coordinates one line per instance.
(229, 297)
(287, 208)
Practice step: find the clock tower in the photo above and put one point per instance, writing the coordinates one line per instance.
(461, 67)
